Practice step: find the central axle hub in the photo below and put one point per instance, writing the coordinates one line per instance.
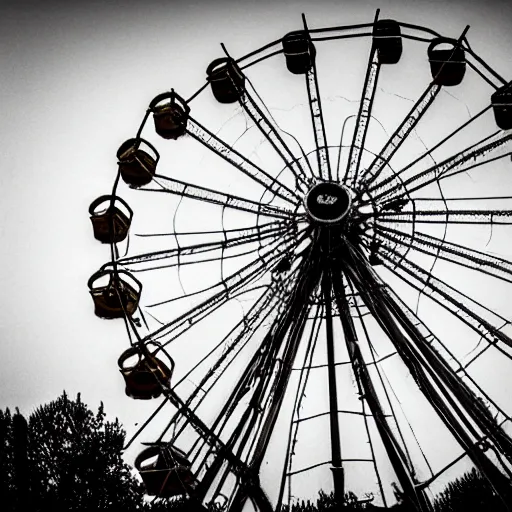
(328, 202)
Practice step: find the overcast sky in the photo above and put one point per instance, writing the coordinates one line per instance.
(75, 80)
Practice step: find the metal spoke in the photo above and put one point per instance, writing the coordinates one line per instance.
(181, 188)
(474, 156)
(243, 164)
(178, 255)
(428, 152)
(231, 285)
(363, 117)
(272, 251)
(351, 177)
(400, 135)
(315, 106)
(455, 253)
(268, 127)
(483, 217)
(269, 130)
(468, 310)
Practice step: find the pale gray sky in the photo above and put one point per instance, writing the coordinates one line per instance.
(76, 79)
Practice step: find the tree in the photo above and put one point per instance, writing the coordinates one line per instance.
(66, 458)
(469, 492)
(6, 457)
(20, 461)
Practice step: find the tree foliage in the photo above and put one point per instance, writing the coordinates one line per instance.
(65, 458)
(468, 492)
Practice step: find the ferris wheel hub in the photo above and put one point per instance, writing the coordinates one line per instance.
(328, 202)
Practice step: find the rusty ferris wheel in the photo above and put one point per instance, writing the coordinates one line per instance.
(320, 248)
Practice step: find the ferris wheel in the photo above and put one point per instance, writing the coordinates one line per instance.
(317, 289)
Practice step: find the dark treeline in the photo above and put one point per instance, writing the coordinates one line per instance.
(67, 458)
